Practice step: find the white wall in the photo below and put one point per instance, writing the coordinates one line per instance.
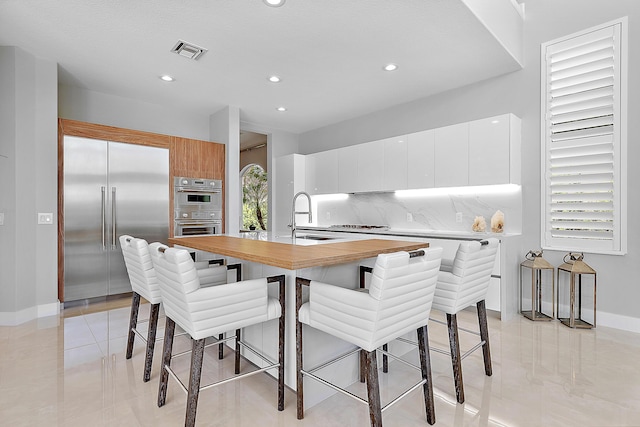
(279, 143)
(95, 107)
(28, 134)
(519, 93)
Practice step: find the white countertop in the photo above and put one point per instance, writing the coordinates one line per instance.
(438, 234)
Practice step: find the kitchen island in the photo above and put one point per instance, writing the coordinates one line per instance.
(332, 261)
(294, 255)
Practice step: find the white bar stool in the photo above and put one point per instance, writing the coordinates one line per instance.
(144, 284)
(206, 312)
(462, 283)
(398, 301)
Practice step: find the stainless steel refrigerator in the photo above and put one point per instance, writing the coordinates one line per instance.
(110, 189)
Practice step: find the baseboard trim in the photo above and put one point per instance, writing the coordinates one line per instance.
(617, 321)
(13, 318)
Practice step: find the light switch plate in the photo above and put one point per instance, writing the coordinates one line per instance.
(45, 218)
(1, 218)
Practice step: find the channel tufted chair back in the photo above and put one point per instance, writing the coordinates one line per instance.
(140, 268)
(461, 284)
(204, 312)
(398, 301)
(403, 289)
(467, 282)
(220, 309)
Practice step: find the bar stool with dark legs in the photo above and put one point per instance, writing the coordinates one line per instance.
(462, 283)
(398, 301)
(207, 312)
(145, 285)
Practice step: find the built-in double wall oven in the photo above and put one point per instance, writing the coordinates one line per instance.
(197, 206)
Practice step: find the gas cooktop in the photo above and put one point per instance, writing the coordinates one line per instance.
(359, 227)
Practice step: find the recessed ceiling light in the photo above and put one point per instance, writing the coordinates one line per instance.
(167, 78)
(274, 79)
(390, 67)
(274, 3)
(281, 109)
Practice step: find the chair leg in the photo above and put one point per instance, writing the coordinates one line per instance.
(385, 359)
(425, 364)
(373, 390)
(454, 343)
(133, 323)
(299, 363)
(151, 340)
(197, 354)
(363, 354)
(220, 347)
(238, 338)
(281, 336)
(484, 335)
(169, 330)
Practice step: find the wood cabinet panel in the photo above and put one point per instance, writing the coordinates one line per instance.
(111, 133)
(198, 159)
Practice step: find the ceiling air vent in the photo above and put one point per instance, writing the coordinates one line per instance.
(188, 50)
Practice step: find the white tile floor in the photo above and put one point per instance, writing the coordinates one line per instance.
(71, 371)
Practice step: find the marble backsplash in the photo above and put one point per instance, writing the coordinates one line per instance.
(424, 212)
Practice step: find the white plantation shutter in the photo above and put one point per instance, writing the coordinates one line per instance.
(582, 180)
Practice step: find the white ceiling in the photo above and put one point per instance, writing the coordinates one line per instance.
(329, 53)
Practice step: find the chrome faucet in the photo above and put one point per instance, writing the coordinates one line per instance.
(294, 212)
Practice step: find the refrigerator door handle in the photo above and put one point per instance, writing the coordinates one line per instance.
(113, 217)
(103, 220)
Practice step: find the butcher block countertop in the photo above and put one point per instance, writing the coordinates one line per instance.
(295, 256)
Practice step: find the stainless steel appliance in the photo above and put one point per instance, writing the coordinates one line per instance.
(110, 189)
(197, 206)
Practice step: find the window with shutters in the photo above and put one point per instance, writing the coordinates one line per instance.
(584, 141)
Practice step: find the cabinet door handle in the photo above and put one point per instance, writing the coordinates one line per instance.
(104, 219)
(113, 217)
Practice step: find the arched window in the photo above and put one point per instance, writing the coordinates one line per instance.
(254, 198)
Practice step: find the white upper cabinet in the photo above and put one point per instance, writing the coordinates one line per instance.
(420, 159)
(452, 155)
(494, 150)
(322, 172)
(348, 169)
(481, 152)
(370, 166)
(395, 163)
